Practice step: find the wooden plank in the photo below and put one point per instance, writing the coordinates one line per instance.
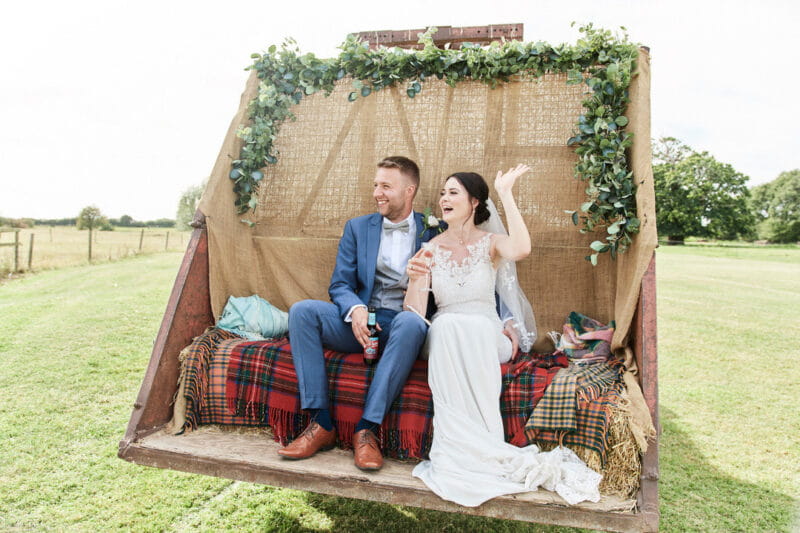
(251, 455)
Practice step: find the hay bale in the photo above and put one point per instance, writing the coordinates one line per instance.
(623, 467)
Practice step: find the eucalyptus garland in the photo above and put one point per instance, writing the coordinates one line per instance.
(600, 59)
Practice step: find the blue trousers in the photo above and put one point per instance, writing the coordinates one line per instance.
(314, 324)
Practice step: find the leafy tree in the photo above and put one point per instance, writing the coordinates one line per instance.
(91, 218)
(698, 196)
(56, 221)
(670, 150)
(125, 221)
(160, 223)
(187, 206)
(777, 207)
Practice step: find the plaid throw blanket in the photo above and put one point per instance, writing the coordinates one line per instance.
(559, 407)
(195, 365)
(524, 383)
(592, 418)
(576, 404)
(231, 381)
(262, 385)
(585, 340)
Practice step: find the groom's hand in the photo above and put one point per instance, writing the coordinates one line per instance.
(359, 324)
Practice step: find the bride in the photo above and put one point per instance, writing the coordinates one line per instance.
(470, 462)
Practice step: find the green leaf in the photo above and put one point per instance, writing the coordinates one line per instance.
(613, 229)
(593, 259)
(365, 91)
(352, 96)
(585, 206)
(597, 246)
(575, 217)
(248, 222)
(235, 173)
(621, 121)
(256, 175)
(411, 93)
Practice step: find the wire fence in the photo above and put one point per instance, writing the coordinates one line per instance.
(47, 247)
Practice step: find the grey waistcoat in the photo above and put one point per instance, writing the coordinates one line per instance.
(389, 289)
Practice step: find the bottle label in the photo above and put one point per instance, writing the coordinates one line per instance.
(371, 348)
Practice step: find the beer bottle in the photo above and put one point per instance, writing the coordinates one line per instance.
(371, 348)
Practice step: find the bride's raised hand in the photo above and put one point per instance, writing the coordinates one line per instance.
(505, 181)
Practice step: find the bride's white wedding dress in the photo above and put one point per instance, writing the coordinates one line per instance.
(470, 462)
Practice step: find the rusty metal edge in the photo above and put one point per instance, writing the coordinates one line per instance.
(194, 264)
(646, 349)
(504, 508)
(443, 35)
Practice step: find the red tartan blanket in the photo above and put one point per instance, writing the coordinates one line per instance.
(261, 385)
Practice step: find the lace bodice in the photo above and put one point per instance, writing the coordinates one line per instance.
(466, 286)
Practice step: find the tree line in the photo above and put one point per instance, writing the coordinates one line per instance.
(103, 223)
(698, 196)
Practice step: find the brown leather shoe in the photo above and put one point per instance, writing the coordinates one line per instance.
(367, 450)
(313, 439)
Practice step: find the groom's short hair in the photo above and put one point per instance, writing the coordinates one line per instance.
(406, 167)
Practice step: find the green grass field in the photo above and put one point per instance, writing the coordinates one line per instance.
(75, 343)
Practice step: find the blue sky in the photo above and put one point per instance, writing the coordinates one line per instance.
(124, 104)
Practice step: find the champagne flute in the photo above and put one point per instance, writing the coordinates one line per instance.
(428, 247)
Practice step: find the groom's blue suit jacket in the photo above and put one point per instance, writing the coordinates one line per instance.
(354, 274)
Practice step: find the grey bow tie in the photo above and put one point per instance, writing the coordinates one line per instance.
(390, 227)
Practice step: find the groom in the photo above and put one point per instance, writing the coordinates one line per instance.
(370, 270)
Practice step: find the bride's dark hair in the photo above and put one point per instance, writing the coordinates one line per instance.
(476, 187)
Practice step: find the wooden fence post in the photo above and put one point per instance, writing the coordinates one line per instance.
(90, 244)
(30, 253)
(141, 239)
(16, 251)
(166, 242)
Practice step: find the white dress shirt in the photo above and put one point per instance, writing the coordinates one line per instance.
(396, 249)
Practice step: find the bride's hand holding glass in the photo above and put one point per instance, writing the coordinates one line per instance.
(419, 267)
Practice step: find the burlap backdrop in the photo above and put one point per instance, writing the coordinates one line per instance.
(327, 163)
